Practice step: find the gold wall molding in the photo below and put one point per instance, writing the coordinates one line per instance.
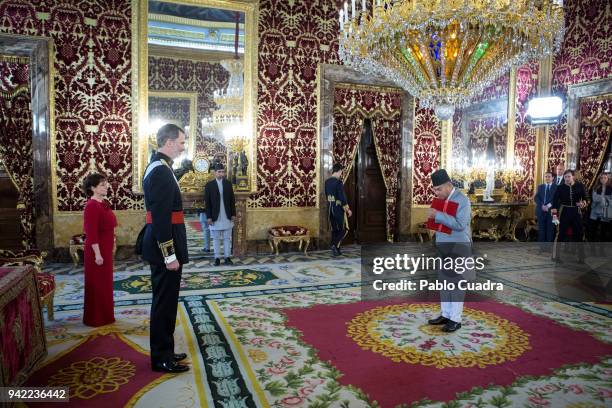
(542, 133)
(178, 53)
(14, 58)
(69, 223)
(350, 85)
(164, 18)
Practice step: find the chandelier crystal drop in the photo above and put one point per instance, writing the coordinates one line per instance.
(445, 52)
(230, 100)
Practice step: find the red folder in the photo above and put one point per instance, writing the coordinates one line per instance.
(445, 206)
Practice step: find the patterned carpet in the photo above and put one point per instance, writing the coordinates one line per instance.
(292, 331)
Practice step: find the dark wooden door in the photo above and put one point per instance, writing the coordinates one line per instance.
(350, 189)
(366, 191)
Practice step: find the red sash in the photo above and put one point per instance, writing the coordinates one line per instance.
(177, 217)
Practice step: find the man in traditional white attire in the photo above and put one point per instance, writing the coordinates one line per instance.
(221, 211)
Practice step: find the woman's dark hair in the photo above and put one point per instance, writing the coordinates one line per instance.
(572, 172)
(599, 185)
(91, 181)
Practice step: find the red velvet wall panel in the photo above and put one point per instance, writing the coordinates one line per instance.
(294, 37)
(585, 55)
(16, 137)
(92, 64)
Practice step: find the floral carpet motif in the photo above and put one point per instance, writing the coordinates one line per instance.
(193, 281)
(370, 359)
(100, 370)
(284, 341)
(401, 333)
(248, 346)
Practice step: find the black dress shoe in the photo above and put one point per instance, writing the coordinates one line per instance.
(170, 367)
(179, 357)
(217, 262)
(228, 261)
(334, 250)
(451, 326)
(438, 320)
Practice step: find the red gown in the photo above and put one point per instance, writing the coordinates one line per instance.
(99, 224)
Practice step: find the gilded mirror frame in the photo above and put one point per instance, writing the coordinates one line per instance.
(140, 80)
(446, 127)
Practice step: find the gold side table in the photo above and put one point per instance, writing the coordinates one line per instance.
(277, 235)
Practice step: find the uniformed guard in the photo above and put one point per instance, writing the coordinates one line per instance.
(338, 208)
(570, 197)
(164, 246)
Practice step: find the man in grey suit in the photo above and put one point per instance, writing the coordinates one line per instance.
(457, 244)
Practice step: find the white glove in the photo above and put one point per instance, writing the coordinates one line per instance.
(555, 220)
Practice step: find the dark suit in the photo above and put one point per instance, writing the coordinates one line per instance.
(212, 199)
(546, 229)
(163, 241)
(336, 201)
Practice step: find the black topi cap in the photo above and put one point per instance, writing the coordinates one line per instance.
(337, 167)
(440, 177)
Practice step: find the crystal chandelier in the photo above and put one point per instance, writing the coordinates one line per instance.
(444, 52)
(229, 100)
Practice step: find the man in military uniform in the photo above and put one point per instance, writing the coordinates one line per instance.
(569, 199)
(164, 246)
(338, 208)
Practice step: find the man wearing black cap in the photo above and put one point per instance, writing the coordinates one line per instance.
(338, 207)
(456, 244)
(221, 211)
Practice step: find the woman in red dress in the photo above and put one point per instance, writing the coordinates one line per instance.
(99, 224)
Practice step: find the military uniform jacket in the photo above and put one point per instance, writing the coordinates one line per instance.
(162, 196)
(568, 196)
(336, 200)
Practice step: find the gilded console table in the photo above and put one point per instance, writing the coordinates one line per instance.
(496, 220)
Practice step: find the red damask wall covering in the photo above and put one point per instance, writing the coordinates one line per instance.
(294, 37)
(586, 55)
(525, 134)
(93, 87)
(16, 136)
(92, 63)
